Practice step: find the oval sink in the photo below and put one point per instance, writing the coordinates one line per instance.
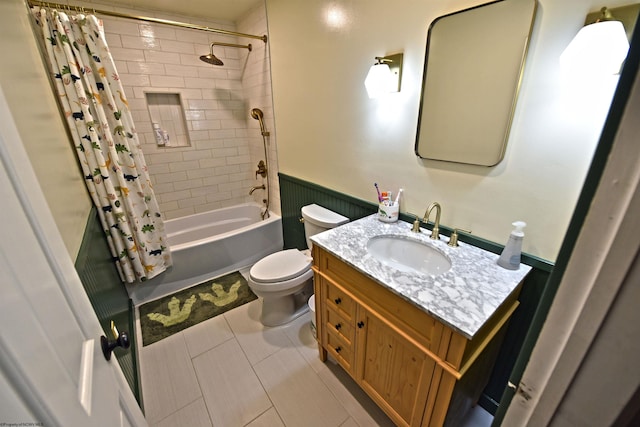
(408, 255)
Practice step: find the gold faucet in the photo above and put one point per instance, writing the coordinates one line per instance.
(258, 187)
(435, 233)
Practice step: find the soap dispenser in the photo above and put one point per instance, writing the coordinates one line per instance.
(510, 257)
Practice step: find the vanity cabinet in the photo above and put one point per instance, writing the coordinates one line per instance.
(418, 370)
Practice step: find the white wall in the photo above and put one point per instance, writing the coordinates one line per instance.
(331, 134)
(34, 109)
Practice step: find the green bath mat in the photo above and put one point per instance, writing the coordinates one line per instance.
(173, 313)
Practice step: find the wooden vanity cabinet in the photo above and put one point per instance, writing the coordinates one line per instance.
(413, 366)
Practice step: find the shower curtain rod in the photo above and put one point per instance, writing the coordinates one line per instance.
(143, 18)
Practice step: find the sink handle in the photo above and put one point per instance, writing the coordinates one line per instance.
(453, 240)
(416, 224)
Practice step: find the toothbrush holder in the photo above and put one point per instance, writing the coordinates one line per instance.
(388, 213)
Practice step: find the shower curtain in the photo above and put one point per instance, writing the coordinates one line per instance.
(106, 142)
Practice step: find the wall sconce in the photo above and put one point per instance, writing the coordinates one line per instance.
(384, 76)
(601, 46)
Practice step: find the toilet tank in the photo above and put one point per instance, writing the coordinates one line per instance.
(318, 219)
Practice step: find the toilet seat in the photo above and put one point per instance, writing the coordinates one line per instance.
(281, 269)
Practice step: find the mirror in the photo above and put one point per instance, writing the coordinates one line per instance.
(472, 72)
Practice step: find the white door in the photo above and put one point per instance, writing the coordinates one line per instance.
(52, 370)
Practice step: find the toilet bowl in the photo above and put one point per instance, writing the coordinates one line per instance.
(284, 280)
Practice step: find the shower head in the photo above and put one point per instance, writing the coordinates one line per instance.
(213, 60)
(257, 114)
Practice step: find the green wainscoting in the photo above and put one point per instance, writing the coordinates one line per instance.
(295, 193)
(108, 296)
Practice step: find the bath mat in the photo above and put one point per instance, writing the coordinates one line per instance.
(173, 313)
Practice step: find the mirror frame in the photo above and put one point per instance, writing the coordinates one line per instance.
(439, 135)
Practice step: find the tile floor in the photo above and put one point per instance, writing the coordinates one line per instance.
(232, 371)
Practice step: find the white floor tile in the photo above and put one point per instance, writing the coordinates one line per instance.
(206, 335)
(350, 423)
(193, 415)
(268, 419)
(478, 417)
(356, 402)
(299, 332)
(232, 371)
(363, 410)
(168, 380)
(298, 394)
(257, 341)
(231, 390)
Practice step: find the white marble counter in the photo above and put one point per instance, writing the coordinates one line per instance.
(463, 298)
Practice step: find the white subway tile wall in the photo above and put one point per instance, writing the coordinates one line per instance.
(218, 168)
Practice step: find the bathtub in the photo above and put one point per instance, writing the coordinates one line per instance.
(211, 244)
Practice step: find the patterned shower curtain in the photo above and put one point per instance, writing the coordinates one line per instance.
(106, 142)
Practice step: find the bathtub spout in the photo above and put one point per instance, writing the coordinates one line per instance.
(259, 187)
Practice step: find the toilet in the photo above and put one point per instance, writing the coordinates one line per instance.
(284, 279)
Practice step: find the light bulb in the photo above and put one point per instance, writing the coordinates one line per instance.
(598, 48)
(379, 80)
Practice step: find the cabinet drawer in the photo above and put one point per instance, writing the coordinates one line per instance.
(340, 350)
(340, 301)
(340, 325)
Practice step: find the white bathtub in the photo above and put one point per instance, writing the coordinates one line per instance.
(211, 244)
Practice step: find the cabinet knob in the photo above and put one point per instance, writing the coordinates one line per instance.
(361, 324)
(338, 300)
(338, 326)
(338, 349)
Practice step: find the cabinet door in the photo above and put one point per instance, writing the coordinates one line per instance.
(392, 369)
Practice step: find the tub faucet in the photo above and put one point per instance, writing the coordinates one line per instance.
(435, 233)
(258, 187)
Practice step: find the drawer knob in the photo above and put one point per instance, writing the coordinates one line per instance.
(338, 300)
(338, 326)
(338, 349)
(361, 324)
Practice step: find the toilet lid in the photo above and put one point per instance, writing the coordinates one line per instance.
(283, 265)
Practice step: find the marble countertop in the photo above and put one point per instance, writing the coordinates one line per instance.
(463, 298)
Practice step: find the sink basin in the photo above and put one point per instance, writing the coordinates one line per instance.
(408, 255)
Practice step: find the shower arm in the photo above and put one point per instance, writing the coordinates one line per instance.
(241, 46)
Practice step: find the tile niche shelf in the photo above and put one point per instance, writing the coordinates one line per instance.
(166, 112)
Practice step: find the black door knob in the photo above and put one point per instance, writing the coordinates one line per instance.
(338, 326)
(108, 346)
(338, 300)
(361, 324)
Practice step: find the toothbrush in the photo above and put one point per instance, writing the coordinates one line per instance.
(378, 190)
(398, 197)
